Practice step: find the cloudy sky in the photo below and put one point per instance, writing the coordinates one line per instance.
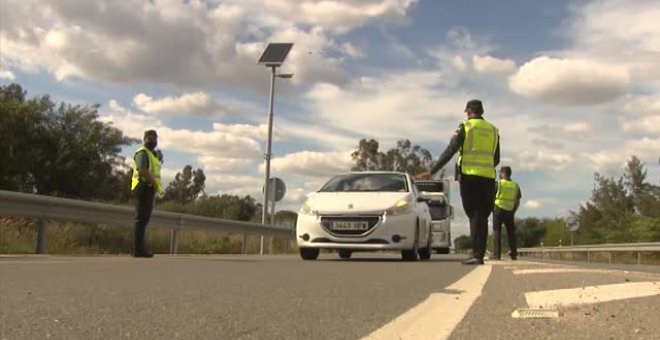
(574, 86)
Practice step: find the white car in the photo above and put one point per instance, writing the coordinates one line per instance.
(365, 211)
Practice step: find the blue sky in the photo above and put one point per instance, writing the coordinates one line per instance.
(574, 86)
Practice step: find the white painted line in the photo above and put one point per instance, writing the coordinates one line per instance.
(551, 299)
(438, 315)
(557, 270)
(526, 313)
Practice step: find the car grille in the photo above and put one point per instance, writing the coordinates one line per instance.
(328, 221)
(369, 241)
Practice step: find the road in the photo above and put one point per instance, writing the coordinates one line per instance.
(283, 297)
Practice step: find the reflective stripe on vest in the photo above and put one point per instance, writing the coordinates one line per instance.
(478, 148)
(154, 168)
(507, 195)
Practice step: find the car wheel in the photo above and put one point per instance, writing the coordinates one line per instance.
(425, 253)
(443, 250)
(345, 253)
(412, 254)
(309, 253)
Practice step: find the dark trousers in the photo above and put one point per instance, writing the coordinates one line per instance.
(478, 196)
(507, 218)
(144, 205)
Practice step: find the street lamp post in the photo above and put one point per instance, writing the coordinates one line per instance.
(269, 147)
(272, 57)
(267, 156)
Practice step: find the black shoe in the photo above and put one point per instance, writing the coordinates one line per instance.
(145, 255)
(514, 258)
(473, 261)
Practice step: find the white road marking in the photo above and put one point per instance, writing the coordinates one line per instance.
(557, 270)
(433, 318)
(551, 299)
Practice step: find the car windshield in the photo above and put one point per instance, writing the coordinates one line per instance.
(366, 182)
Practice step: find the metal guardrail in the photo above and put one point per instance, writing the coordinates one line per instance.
(48, 207)
(610, 248)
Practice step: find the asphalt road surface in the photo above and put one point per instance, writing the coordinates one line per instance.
(283, 297)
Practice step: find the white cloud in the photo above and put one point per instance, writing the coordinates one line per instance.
(619, 32)
(459, 63)
(644, 124)
(570, 81)
(533, 204)
(217, 143)
(642, 105)
(186, 43)
(383, 108)
(258, 132)
(488, 64)
(542, 160)
(618, 26)
(608, 162)
(313, 164)
(197, 103)
(341, 15)
(577, 128)
(240, 185)
(6, 74)
(611, 161)
(213, 163)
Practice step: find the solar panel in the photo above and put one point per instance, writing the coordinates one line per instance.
(275, 54)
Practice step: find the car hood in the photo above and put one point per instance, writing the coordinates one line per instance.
(354, 202)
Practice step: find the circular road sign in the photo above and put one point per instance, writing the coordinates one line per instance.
(276, 189)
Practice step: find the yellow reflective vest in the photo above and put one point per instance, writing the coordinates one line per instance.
(478, 149)
(154, 168)
(507, 195)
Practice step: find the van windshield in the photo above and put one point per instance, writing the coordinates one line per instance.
(439, 211)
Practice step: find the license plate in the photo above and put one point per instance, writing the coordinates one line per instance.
(352, 225)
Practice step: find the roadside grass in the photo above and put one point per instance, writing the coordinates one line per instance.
(19, 236)
(623, 257)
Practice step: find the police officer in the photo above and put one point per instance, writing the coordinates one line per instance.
(507, 201)
(146, 182)
(479, 144)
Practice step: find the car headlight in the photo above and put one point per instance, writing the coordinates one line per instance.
(307, 209)
(403, 206)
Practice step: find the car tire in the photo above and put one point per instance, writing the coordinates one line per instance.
(443, 251)
(425, 253)
(309, 253)
(345, 254)
(411, 255)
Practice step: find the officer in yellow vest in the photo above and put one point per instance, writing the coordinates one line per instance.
(507, 201)
(478, 142)
(146, 182)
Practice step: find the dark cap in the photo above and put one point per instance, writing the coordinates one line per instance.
(150, 133)
(475, 106)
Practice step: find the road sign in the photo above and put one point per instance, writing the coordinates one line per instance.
(276, 189)
(573, 223)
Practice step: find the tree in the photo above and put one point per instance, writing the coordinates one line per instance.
(367, 157)
(529, 232)
(58, 149)
(229, 207)
(186, 186)
(621, 210)
(405, 157)
(463, 242)
(556, 232)
(645, 196)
